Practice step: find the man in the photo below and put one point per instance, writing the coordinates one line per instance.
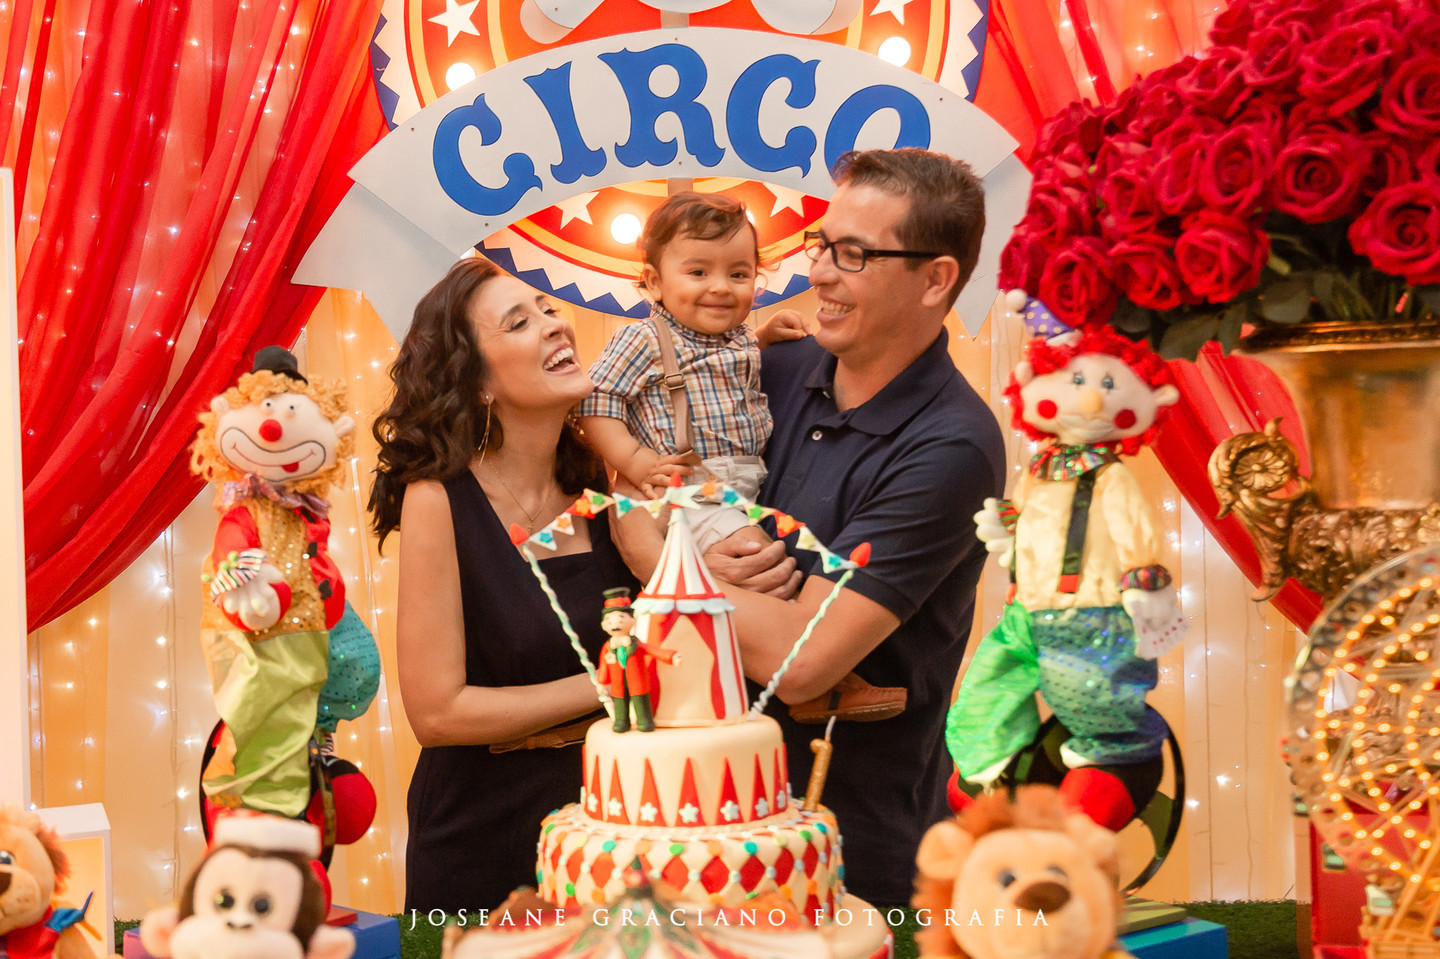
(877, 439)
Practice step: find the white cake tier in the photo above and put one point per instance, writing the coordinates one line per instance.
(796, 854)
(684, 778)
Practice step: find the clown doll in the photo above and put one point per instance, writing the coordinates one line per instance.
(272, 627)
(625, 665)
(1091, 606)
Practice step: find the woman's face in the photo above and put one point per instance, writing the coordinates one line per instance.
(528, 347)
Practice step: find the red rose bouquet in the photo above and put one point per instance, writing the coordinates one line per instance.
(1291, 172)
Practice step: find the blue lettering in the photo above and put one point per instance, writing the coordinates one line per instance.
(865, 103)
(742, 113)
(633, 68)
(456, 180)
(577, 158)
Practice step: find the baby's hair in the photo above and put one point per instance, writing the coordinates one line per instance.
(704, 216)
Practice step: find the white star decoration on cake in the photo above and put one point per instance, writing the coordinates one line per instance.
(593, 803)
(730, 811)
(762, 808)
(615, 807)
(689, 812)
(779, 799)
(648, 812)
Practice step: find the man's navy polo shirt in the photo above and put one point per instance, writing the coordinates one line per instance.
(905, 471)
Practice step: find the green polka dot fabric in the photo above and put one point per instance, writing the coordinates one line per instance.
(354, 672)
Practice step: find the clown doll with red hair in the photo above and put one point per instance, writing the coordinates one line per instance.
(1090, 606)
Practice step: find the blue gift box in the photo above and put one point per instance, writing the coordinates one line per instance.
(376, 937)
(1187, 939)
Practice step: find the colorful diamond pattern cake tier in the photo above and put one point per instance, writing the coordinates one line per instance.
(798, 858)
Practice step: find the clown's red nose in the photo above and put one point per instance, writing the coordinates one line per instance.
(270, 431)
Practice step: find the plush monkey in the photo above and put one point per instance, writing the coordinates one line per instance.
(253, 896)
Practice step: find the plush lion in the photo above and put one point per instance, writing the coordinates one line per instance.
(32, 871)
(1028, 878)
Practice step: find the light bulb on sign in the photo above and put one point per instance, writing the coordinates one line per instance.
(459, 74)
(625, 228)
(895, 50)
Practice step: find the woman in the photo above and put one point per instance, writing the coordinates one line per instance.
(476, 440)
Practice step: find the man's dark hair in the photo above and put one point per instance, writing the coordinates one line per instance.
(947, 202)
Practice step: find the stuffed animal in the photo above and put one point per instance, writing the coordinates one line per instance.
(1091, 606)
(32, 871)
(253, 896)
(1028, 879)
(287, 657)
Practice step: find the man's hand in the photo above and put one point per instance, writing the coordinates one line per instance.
(745, 560)
(649, 471)
(990, 529)
(782, 325)
(255, 601)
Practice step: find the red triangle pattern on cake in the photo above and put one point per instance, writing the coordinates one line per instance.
(650, 801)
(715, 876)
(615, 808)
(689, 813)
(729, 810)
(592, 793)
(784, 865)
(758, 794)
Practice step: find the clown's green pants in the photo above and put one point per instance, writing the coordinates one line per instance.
(1083, 662)
(267, 694)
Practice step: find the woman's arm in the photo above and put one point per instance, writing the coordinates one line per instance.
(430, 645)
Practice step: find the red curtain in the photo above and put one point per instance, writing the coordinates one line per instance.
(1041, 55)
(196, 148)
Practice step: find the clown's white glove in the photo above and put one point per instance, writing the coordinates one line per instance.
(255, 601)
(1159, 623)
(991, 530)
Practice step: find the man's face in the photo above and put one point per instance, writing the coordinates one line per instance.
(861, 314)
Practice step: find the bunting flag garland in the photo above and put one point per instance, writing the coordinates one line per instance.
(590, 503)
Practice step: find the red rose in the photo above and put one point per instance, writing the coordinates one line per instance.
(1123, 149)
(1128, 203)
(1219, 256)
(1267, 116)
(1023, 260)
(1400, 232)
(1317, 177)
(1410, 99)
(1156, 107)
(1147, 274)
(1069, 166)
(1216, 86)
(1344, 67)
(1187, 126)
(1076, 283)
(1080, 123)
(1428, 166)
(1176, 175)
(1235, 177)
(1233, 25)
(1390, 163)
(1272, 61)
(1059, 210)
(1309, 119)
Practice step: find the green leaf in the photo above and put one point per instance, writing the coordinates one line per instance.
(1182, 341)
(1323, 287)
(1231, 322)
(1287, 301)
(1131, 319)
(1430, 296)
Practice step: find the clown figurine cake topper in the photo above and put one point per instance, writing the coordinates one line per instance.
(1091, 607)
(625, 663)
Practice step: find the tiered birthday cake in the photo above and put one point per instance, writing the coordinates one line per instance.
(703, 801)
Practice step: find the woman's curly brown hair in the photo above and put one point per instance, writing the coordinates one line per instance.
(436, 420)
(206, 461)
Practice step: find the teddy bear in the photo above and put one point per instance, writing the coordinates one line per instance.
(32, 870)
(287, 656)
(253, 896)
(1021, 879)
(1091, 607)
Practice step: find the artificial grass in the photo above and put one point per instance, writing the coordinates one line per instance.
(1256, 930)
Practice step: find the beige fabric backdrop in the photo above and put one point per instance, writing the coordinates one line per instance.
(121, 702)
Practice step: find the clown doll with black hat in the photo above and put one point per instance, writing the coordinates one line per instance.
(625, 665)
(1090, 607)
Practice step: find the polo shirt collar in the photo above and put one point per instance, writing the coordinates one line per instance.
(898, 400)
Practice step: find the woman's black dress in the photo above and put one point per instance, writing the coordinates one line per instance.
(475, 815)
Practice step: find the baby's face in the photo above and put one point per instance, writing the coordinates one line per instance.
(707, 285)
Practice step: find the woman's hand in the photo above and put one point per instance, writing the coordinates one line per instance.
(751, 560)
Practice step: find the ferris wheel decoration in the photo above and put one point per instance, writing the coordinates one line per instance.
(1364, 744)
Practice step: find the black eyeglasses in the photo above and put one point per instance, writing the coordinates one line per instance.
(851, 257)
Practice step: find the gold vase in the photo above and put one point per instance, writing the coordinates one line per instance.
(1368, 395)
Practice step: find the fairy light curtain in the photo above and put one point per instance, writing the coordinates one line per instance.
(173, 159)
